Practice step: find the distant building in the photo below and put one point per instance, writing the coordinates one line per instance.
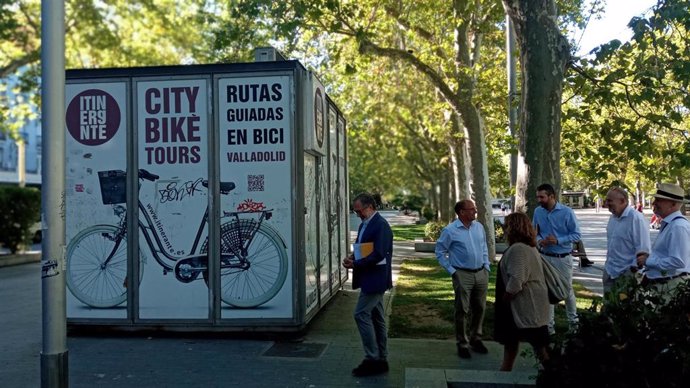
(573, 199)
(9, 150)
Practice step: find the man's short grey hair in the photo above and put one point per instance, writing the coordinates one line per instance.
(621, 192)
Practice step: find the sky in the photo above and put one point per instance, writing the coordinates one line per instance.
(613, 25)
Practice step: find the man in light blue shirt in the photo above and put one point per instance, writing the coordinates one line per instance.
(627, 236)
(557, 230)
(461, 250)
(669, 263)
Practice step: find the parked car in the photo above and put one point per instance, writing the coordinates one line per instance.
(500, 203)
(36, 231)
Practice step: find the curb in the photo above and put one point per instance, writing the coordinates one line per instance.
(20, 258)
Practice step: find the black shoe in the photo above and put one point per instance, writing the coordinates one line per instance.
(464, 352)
(585, 262)
(370, 368)
(478, 347)
(383, 365)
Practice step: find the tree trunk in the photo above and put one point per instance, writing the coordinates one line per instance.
(466, 164)
(460, 159)
(544, 54)
(455, 168)
(444, 205)
(480, 172)
(464, 104)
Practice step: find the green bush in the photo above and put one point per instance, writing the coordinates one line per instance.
(432, 230)
(20, 207)
(428, 213)
(498, 230)
(409, 202)
(640, 338)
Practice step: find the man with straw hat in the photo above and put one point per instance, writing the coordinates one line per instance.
(669, 263)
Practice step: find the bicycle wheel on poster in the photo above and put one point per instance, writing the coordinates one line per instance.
(257, 278)
(90, 279)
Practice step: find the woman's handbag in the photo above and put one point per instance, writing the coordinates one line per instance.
(556, 282)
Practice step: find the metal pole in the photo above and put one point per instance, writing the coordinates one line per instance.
(512, 93)
(54, 358)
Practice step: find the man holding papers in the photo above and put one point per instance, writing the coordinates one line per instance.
(461, 249)
(371, 272)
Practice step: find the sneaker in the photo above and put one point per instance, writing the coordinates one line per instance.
(464, 352)
(478, 347)
(369, 368)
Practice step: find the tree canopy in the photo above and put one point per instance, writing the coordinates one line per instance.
(626, 115)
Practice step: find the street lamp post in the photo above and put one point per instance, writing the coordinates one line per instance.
(54, 360)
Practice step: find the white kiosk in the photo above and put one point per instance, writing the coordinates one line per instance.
(205, 197)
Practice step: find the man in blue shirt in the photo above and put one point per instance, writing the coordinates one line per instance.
(669, 263)
(557, 230)
(461, 250)
(627, 236)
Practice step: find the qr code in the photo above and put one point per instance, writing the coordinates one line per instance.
(255, 182)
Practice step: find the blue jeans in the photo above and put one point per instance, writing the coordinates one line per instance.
(371, 322)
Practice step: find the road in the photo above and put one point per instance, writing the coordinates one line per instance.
(20, 320)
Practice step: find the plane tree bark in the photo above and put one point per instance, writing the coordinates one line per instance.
(544, 55)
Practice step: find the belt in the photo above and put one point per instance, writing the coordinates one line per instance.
(561, 255)
(469, 270)
(663, 280)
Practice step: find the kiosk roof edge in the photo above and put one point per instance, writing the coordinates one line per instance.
(144, 71)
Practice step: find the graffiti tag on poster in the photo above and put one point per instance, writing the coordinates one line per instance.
(175, 192)
(248, 205)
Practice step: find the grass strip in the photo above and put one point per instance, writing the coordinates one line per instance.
(423, 302)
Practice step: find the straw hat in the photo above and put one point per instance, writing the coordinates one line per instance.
(671, 192)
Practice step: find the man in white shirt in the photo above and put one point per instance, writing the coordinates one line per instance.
(669, 263)
(627, 236)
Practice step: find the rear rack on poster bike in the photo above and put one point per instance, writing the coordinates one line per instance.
(253, 256)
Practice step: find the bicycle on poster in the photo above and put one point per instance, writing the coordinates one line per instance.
(253, 256)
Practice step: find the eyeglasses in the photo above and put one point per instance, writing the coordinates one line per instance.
(472, 209)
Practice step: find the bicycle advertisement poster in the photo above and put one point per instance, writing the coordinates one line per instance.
(255, 153)
(172, 120)
(96, 117)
